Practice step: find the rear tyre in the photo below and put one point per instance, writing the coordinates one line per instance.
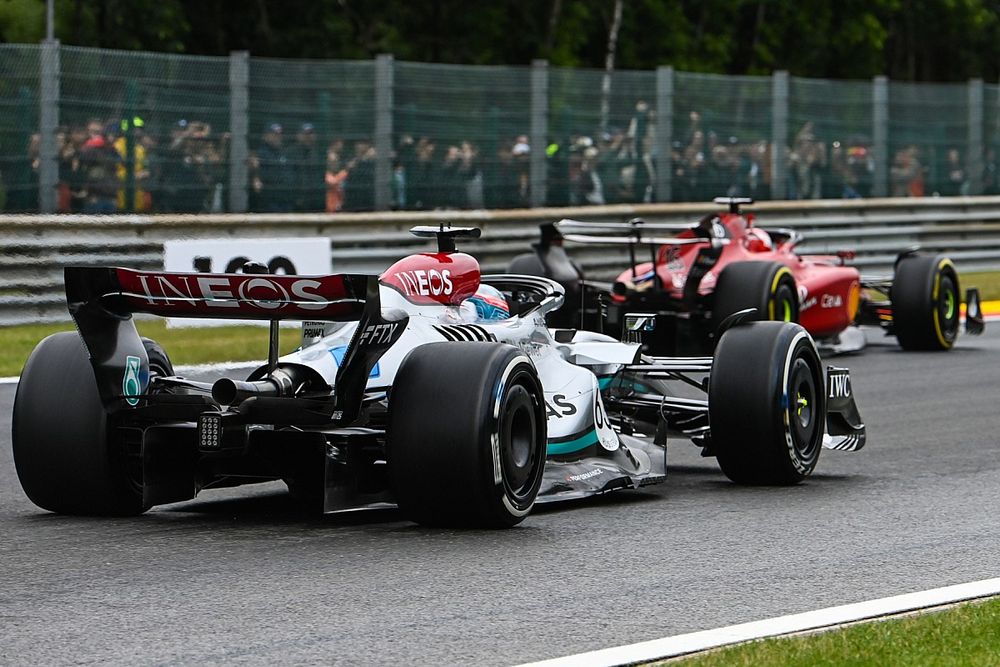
(767, 286)
(925, 303)
(767, 404)
(159, 361)
(466, 435)
(66, 459)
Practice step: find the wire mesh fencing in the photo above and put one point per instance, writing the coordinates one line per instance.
(19, 149)
(142, 132)
(461, 136)
(722, 138)
(309, 122)
(830, 142)
(146, 132)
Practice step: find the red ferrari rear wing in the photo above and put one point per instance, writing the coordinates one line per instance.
(708, 232)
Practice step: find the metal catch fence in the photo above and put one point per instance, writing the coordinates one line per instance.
(91, 130)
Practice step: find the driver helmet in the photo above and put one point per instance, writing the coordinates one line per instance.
(757, 240)
(489, 303)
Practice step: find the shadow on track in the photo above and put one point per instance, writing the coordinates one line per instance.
(616, 498)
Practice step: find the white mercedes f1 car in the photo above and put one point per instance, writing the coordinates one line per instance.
(430, 387)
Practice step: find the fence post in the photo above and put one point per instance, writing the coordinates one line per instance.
(48, 121)
(779, 134)
(539, 130)
(974, 150)
(383, 130)
(128, 128)
(664, 132)
(239, 125)
(880, 135)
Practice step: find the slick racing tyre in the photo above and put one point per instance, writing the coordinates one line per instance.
(65, 456)
(925, 303)
(767, 403)
(159, 361)
(767, 286)
(466, 435)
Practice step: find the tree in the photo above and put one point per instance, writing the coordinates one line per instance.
(609, 63)
(22, 21)
(927, 40)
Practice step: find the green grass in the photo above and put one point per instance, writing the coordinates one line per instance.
(968, 634)
(988, 283)
(185, 346)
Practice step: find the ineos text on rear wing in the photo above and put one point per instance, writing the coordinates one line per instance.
(340, 297)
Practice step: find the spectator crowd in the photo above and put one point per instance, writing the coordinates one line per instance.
(116, 165)
(101, 163)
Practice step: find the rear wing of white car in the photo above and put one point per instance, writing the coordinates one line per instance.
(102, 301)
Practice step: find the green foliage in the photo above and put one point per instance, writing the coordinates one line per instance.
(22, 20)
(964, 635)
(928, 40)
(988, 283)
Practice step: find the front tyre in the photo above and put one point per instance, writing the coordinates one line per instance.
(466, 435)
(767, 404)
(66, 458)
(925, 303)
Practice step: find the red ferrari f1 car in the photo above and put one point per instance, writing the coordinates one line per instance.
(699, 275)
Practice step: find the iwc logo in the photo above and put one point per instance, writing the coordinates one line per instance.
(131, 386)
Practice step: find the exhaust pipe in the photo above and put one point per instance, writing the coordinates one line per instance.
(281, 382)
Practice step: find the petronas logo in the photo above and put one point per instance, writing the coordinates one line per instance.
(131, 387)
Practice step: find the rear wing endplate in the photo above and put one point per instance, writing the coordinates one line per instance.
(975, 323)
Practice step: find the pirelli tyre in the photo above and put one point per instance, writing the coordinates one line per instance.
(66, 457)
(925, 302)
(767, 286)
(767, 403)
(466, 435)
(159, 360)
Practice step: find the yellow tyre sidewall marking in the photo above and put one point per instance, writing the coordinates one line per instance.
(774, 288)
(944, 263)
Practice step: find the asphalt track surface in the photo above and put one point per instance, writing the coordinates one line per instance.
(240, 576)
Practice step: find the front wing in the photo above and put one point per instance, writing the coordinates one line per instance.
(637, 462)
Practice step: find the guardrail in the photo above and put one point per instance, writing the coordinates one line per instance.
(36, 248)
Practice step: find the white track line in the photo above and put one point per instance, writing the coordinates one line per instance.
(221, 366)
(670, 647)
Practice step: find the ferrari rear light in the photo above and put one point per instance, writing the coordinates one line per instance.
(853, 300)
